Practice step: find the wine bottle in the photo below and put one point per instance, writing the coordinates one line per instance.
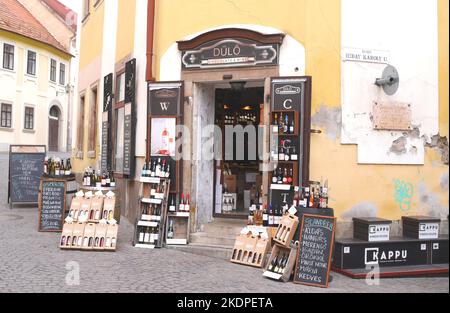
(187, 205)
(265, 217)
(285, 176)
(141, 235)
(113, 180)
(108, 180)
(170, 232)
(273, 264)
(286, 125)
(172, 207)
(181, 207)
(275, 177)
(281, 151)
(292, 127)
(271, 217)
(57, 168)
(46, 166)
(69, 168)
(158, 168)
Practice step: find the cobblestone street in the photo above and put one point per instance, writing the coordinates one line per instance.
(32, 262)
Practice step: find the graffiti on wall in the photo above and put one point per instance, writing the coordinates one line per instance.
(404, 192)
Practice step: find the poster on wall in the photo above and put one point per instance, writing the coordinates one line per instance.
(163, 137)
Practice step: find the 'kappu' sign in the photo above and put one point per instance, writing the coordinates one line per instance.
(315, 250)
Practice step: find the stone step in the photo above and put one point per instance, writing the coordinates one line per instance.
(224, 227)
(213, 239)
(218, 252)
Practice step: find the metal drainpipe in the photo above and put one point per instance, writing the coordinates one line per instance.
(150, 38)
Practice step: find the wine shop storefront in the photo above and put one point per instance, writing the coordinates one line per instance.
(232, 100)
(242, 107)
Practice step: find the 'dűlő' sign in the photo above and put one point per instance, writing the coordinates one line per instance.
(315, 250)
(26, 166)
(52, 205)
(231, 53)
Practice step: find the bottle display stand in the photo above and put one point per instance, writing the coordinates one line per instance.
(398, 256)
(92, 226)
(177, 228)
(151, 224)
(281, 263)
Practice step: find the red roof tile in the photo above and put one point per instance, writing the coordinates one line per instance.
(64, 12)
(15, 18)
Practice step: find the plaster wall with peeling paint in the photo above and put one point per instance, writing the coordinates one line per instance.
(368, 172)
(387, 174)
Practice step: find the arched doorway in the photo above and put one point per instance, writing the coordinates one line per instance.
(53, 128)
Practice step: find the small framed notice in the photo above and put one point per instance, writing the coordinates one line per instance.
(392, 116)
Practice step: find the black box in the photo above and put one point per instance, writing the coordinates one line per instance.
(421, 227)
(358, 254)
(371, 229)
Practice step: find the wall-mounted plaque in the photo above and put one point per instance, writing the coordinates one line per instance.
(392, 116)
(231, 53)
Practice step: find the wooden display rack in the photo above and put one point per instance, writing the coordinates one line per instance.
(181, 228)
(152, 221)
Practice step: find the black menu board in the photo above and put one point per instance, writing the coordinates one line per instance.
(104, 160)
(127, 145)
(314, 254)
(26, 166)
(52, 205)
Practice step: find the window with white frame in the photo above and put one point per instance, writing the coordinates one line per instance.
(6, 115)
(29, 118)
(62, 74)
(8, 56)
(31, 63)
(53, 65)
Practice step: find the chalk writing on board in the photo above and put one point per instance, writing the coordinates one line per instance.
(52, 206)
(25, 173)
(316, 241)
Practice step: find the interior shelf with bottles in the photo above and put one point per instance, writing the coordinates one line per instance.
(285, 123)
(151, 222)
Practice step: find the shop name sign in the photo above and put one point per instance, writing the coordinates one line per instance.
(165, 100)
(231, 53)
(376, 256)
(366, 55)
(428, 231)
(287, 94)
(379, 233)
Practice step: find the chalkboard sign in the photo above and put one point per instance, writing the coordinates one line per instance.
(52, 205)
(314, 254)
(26, 166)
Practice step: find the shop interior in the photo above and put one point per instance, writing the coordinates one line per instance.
(238, 180)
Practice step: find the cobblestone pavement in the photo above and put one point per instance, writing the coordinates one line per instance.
(31, 262)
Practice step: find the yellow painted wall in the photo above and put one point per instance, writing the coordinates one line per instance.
(90, 51)
(125, 29)
(92, 35)
(317, 26)
(443, 7)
